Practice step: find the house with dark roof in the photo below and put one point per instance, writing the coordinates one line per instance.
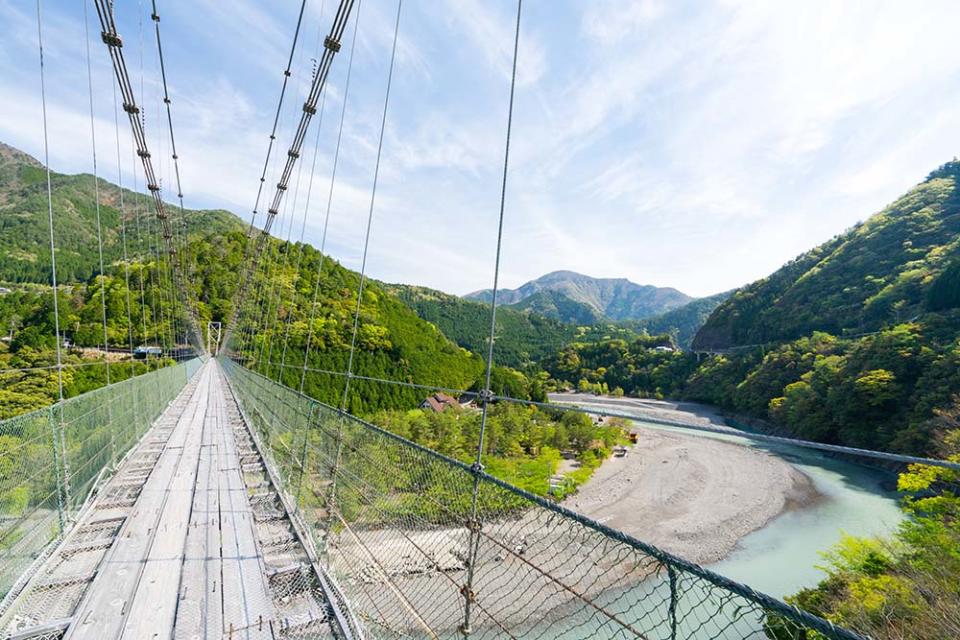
(439, 402)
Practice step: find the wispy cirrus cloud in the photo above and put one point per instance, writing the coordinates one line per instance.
(678, 143)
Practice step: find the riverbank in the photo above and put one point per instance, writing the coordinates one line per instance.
(693, 496)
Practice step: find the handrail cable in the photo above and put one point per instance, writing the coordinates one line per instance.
(606, 413)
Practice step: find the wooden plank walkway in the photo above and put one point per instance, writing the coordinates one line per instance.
(187, 562)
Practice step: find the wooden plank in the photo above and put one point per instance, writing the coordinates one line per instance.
(154, 606)
(200, 607)
(104, 609)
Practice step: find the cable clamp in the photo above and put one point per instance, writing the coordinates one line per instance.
(476, 467)
(111, 39)
(309, 108)
(154, 188)
(166, 100)
(155, 17)
(272, 212)
(130, 108)
(468, 594)
(281, 186)
(331, 44)
(293, 154)
(485, 396)
(286, 72)
(143, 153)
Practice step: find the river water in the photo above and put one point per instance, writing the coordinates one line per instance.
(782, 557)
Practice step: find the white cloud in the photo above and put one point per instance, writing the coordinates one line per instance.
(685, 144)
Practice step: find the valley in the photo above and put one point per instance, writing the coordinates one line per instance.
(765, 352)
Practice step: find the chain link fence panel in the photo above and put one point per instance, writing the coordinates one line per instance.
(53, 459)
(425, 546)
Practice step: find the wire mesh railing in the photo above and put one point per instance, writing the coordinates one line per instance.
(393, 524)
(51, 460)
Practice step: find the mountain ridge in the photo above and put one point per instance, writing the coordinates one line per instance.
(879, 272)
(611, 298)
(24, 231)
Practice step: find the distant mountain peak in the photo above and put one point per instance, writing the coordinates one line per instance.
(604, 298)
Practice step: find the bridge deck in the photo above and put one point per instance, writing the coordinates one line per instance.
(191, 549)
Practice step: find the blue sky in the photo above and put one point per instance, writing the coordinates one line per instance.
(698, 145)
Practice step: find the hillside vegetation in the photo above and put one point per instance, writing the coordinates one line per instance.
(24, 231)
(900, 264)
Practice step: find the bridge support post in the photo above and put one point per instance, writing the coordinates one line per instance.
(672, 574)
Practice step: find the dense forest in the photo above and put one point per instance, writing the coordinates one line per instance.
(522, 338)
(24, 234)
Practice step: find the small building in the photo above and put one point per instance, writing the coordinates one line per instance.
(439, 402)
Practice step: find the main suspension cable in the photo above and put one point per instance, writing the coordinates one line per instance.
(326, 217)
(331, 47)
(115, 48)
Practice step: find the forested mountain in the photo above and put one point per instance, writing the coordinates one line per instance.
(900, 264)
(683, 322)
(24, 234)
(522, 338)
(611, 298)
(558, 306)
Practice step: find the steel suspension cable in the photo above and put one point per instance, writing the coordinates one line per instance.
(276, 118)
(123, 228)
(303, 228)
(303, 224)
(287, 247)
(115, 48)
(96, 195)
(331, 47)
(63, 496)
(332, 490)
(326, 217)
(179, 230)
(373, 199)
(275, 272)
(236, 314)
(262, 277)
(474, 526)
(263, 288)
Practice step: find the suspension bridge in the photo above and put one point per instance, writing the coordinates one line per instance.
(207, 500)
